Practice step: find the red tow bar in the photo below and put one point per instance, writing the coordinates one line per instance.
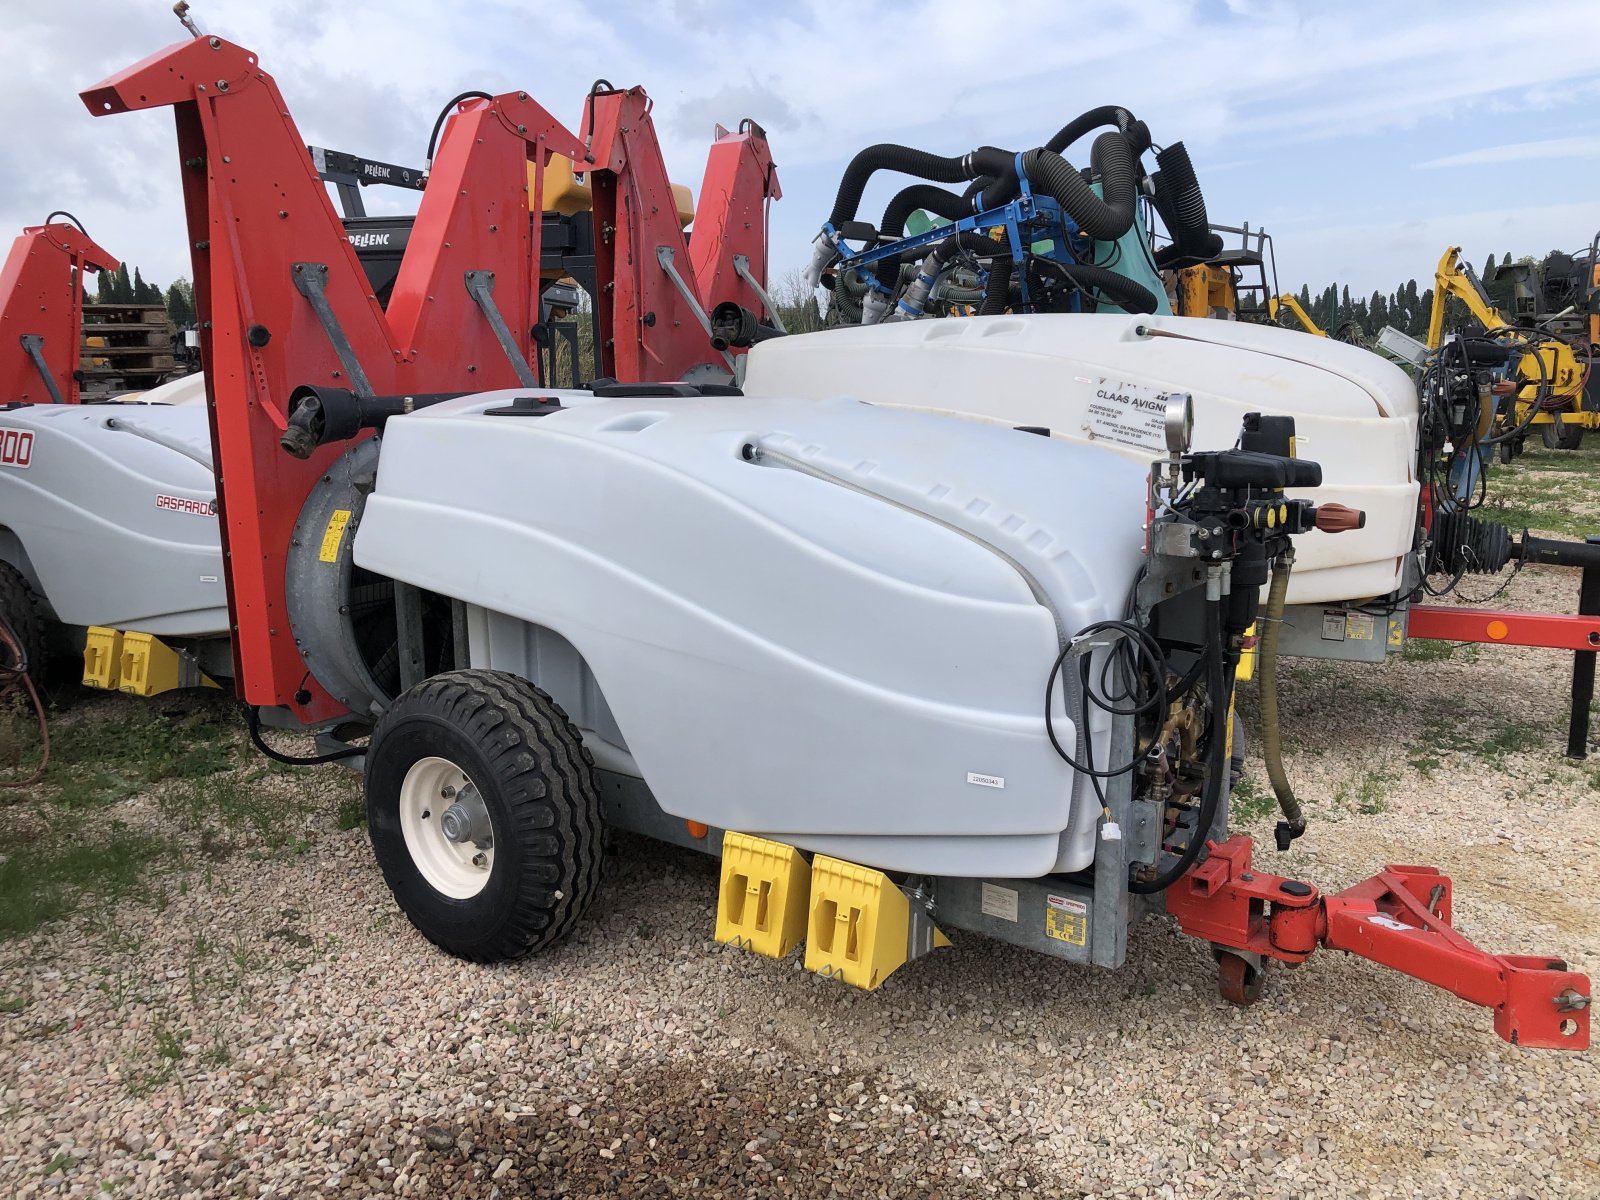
(1400, 918)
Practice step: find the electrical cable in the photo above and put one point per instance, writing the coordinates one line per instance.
(252, 720)
(10, 674)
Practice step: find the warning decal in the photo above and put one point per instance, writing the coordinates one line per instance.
(1129, 414)
(334, 535)
(999, 902)
(1066, 920)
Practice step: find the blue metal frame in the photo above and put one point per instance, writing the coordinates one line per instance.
(1028, 219)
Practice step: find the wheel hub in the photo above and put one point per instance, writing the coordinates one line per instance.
(467, 820)
(446, 827)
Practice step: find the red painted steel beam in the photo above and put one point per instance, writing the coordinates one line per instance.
(41, 294)
(256, 208)
(1399, 918)
(1555, 631)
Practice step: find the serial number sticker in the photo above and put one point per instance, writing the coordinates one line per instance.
(1359, 627)
(1066, 920)
(999, 902)
(1333, 625)
(994, 781)
(334, 535)
(1128, 414)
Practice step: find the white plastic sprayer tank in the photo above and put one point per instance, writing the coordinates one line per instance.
(1097, 380)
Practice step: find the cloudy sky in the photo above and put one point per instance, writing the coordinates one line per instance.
(1366, 137)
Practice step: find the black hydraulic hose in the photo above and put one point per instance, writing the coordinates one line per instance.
(997, 291)
(1183, 209)
(433, 138)
(1216, 765)
(1104, 218)
(61, 212)
(886, 156)
(1137, 132)
(1125, 293)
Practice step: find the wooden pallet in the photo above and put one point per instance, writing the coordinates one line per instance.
(125, 345)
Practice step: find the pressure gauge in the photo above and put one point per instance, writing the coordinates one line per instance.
(1179, 422)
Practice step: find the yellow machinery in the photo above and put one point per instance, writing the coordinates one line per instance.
(1207, 290)
(1550, 379)
(1288, 301)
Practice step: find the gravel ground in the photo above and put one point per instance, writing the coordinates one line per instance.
(275, 1028)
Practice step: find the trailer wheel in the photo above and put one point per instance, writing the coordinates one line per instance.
(1238, 979)
(484, 814)
(1567, 437)
(19, 606)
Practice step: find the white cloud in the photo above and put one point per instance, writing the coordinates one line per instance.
(1568, 147)
(1248, 82)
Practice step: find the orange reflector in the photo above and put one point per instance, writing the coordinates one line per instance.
(697, 829)
(1497, 630)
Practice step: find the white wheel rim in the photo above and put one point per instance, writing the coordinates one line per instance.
(459, 870)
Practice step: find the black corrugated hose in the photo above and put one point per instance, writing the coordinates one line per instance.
(1183, 210)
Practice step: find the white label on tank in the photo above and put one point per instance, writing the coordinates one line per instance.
(998, 781)
(999, 902)
(1129, 414)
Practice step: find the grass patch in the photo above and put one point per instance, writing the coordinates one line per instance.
(1425, 651)
(224, 804)
(1250, 801)
(352, 812)
(45, 881)
(1367, 793)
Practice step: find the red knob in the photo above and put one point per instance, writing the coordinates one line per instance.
(1336, 518)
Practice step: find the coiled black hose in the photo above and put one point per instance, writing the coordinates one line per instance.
(1137, 132)
(886, 156)
(1183, 210)
(1104, 218)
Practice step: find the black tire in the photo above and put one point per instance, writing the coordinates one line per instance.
(1508, 451)
(536, 778)
(1566, 437)
(19, 606)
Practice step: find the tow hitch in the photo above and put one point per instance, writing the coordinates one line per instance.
(1400, 918)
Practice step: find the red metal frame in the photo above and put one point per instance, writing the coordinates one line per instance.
(256, 207)
(1555, 631)
(1400, 918)
(41, 293)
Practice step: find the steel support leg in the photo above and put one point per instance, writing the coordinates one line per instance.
(1583, 667)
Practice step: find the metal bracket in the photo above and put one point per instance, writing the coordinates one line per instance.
(741, 267)
(665, 256)
(480, 286)
(33, 347)
(311, 281)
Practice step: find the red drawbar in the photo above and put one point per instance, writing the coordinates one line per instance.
(1399, 918)
(1497, 627)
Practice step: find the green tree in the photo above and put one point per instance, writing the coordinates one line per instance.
(180, 303)
(122, 286)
